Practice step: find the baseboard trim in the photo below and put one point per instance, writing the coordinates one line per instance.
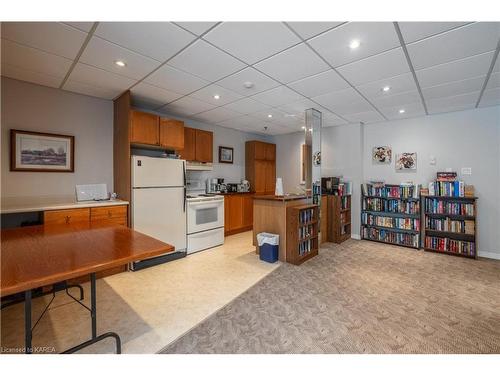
(490, 255)
(355, 236)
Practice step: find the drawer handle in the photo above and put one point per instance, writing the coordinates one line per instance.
(67, 218)
(110, 215)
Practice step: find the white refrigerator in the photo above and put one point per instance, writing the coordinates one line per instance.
(159, 199)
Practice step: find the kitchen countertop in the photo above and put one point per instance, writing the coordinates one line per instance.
(32, 204)
(284, 198)
(237, 193)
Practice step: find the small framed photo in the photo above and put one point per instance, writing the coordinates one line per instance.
(41, 152)
(406, 161)
(226, 155)
(382, 154)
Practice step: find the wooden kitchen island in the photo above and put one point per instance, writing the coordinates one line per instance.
(269, 215)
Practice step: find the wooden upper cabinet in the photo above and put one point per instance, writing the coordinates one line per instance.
(189, 151)
(260, 150)
(204, 146)
(260, 166)
(270, 151)
(171, 134)
(144, 128)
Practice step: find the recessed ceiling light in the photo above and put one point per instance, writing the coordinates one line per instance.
(401, 111)
(269, 116)
(354, 44)
(248, 84)
(303, 128)
(311, 129)
(216, 97)
(120, 63)
(386, 88)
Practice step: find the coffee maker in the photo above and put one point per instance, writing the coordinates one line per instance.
(215, 185)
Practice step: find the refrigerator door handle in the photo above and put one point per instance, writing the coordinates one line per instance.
(185, 190)
(185, 199)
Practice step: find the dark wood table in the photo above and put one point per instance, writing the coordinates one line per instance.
(37, 256)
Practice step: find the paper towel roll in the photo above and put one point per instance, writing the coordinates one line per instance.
(279, 187)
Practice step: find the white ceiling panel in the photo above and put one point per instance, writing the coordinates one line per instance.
(187, 106)
(490, 97)
(397, 99)
(206, 61)
(246, 106)
(252, 41)
(374, 68)
(299, 107)
(207, 95)
(153, 96)
(374, 38)
(52, 37)
(30, 76)
(217, 115)
(454, 88)
(91, 90)
(413, 31)
(158, 40)
(329, 119)
(103, 54)
(367, 117)
(494, 81)
(197, 28)
(452, 103)
(98, 79)
(344, 102)
(175, 80)
(84, 26)
(320, 84)
(295, 63)
(455, 44)
(277, 115)
(35, 60)
(458, 70)
(410, 110)
(307, 30)
(278, 96)
(260, 82)
(397, 85)
(240, 123)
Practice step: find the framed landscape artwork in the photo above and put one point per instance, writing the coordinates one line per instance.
(382, 155)
(226, 154)
(41, 152)
(406, 161)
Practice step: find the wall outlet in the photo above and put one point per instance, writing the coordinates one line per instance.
(466, 171)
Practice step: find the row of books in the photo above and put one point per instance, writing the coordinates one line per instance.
(343, 188)
(447, 188)
(390, 222)
(306, 232)
(454, 246)
(344, 203)
(391, 205)
(305, 216)
(391, 191)
(449, 225)
(436, 206)
(305, 247)
(396, 238)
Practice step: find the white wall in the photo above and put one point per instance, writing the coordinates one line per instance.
(26, 106)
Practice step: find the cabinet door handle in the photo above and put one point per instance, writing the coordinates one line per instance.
(67, 218)
(110, 214)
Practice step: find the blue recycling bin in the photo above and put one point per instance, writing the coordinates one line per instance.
(268, 247)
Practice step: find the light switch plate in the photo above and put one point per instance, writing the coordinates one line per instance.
(467, 171)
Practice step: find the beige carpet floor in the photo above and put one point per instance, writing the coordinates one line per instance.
(360, 297)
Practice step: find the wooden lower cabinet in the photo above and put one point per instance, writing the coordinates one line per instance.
(238, 213)
(111, 215)
(66, 217)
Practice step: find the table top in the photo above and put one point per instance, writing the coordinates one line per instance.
(40, 255)
(280, 198)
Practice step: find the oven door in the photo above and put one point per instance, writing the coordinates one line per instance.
(205, 215)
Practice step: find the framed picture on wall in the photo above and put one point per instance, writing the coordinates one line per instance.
(41, 152)
(406, 161)
(226, 155)
(382, 154)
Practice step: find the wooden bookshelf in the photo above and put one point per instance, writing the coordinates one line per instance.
(439, 214)
(391, 214)
(340, 212)
(302, 225)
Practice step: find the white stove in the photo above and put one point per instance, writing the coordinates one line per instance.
(205, 218)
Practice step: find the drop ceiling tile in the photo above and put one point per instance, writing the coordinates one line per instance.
(454, 88)
(374, 68)
(97, 78)
(91, 90)
(53, 37)
(329, 119)
(278, 96)
(397, 99)
(344, 102)
(103, 54)
(187, 106)
(275, 129)
(494, 81)
(158, 40)
(252, 41)
(260, 82)
(367, 117)
(277, 115)
(30, 76)
(83, 26)
(374, 38)
(455, 44)
(207, 95)
(197, 28)
(452, 103)
(35, 60)
(307, 30)
(175, 80)
(299, 107)
(217, 115)
(469, 67)
(206, 61)
(246, 106)
(153, 96)
(319, 84)
(240, 122)
(410, 110)
(397, 85)
(295, 63)
(490, 97)
(413, 31)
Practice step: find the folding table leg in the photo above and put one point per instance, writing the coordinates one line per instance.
(27, 322)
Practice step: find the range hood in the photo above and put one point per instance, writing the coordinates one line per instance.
(198, 166)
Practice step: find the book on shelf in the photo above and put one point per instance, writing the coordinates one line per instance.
(306, 216)
(391, 205)
(450, 189)
(390, 222)
(449, 245)
(446, 176)
(437, 206)
(391, 191)
(450, 225)
(395, 238)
